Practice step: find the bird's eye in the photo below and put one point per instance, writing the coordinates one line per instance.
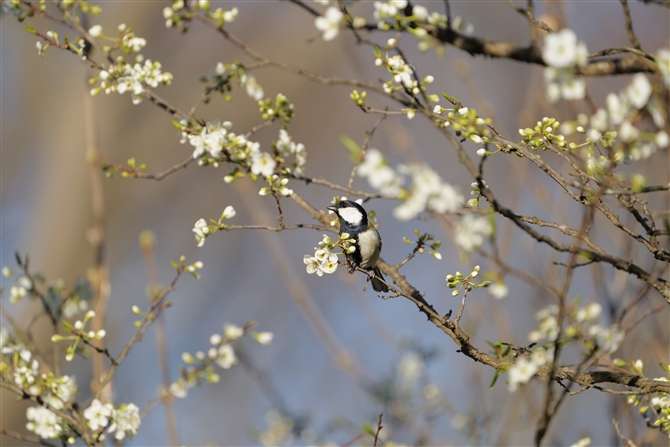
(344, 205)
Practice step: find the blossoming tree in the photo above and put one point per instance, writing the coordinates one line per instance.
(598, 225)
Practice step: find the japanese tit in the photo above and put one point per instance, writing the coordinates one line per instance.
(354, 221)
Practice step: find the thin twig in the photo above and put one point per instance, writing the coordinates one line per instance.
(629, 25)
(27, 438)
(379, 429)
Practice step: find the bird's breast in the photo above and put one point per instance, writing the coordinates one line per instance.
(368, 243)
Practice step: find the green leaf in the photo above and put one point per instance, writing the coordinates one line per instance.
(367, 429)
(355, 151)
(497, 374)
(30, 29)
(178, 125)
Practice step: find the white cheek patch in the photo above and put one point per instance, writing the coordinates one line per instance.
(351, 215)
(368, 243)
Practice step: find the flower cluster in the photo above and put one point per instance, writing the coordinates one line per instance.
(476, 192)
(285, 147)
(324, 260)
(78, 334)
(562, 53)
(59, 302)
(659, 402)
(379, 174)
(18, 366)
(425, 240)
(281, 108)
(215, 143)
(201, 366)
(615, 124)
(465, 121)
(581, 325)
(130, 43)
(543, 134)
(428, 193)
(122, 421)
(44, 422)
(329, 23)
(134, 78)
(471, 231)
(662, 58)
(178, 15)
(222, 75)
(277, 184)
(498, 290)
(457, 282)
(387, 13)
(202, 230)
(403, 75)
(22, 285)
(525, 367)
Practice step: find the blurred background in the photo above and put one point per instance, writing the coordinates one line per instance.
(335, 372)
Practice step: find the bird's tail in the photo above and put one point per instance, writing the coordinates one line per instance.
(377, 285)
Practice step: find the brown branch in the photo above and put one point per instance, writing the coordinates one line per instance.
(629, 25)
(496, 49)
(27, 438)
(364, 147)
(379, 429)
(626, 442)
(38, 400)
(157, 306)
(335, 186)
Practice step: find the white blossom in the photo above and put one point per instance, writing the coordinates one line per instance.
(98, 415)
(548, 327)
(560, 49)
(179, 388)
(628, 132)
(313, 265)
(210, 140)
(262, 163)
(253, 88)
(329, 24)
(201, 231)
(95, 30)
(411, 366)
(264, 338)
(228, 213)
(329, 265)
(429, 192)
(379, 174)
(43, 422)
(584, 442)
(387, 10)
(663, 61)
(64, 390)
(232, 332)
(420, 13)
(126, 421)
(498, 290)
(615, 109)
(639, 91)
(471, 231)
(132, 43)
(521, 372)
(607, 339)
(225, 357)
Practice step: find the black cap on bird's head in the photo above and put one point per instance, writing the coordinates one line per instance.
(350, 213)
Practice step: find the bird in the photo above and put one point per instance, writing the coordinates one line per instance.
(354, 221)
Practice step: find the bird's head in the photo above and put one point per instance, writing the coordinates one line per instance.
(350, 213)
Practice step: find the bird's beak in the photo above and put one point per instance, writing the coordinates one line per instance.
(333, 209)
